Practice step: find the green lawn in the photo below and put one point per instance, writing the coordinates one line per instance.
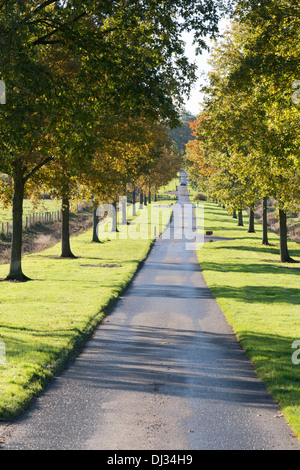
(171, 186)
(260, 298)
(45, 321)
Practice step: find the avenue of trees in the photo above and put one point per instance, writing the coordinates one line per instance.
(92, 88)
(246, 146)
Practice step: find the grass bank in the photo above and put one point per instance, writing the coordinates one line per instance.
(46, 321)
(260, 298)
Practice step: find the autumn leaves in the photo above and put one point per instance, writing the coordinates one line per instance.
(247, 134)
(92, 88)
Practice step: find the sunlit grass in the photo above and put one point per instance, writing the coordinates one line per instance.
(171, 186)
(44, 322)
(260, 298)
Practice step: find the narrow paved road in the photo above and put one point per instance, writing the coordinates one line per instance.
(163, 372)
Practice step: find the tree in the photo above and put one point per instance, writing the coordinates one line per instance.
(166, 162)
(183, 134)
(250, 125)
(133, 46)
(268, 67)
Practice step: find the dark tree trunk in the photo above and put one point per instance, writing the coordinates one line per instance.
(145, 200)
(284, 252)
(141, 200)
(251, 220)
(234, 215)
(149, 197)
(95, 224)
(65, 236)
(15, 272)
(133, 203)
(265, 240)
(240, 219)
(114, 218)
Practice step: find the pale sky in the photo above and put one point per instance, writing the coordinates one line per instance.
(192, 104)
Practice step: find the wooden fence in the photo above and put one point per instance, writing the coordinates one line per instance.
(38, 218)
(32, 219)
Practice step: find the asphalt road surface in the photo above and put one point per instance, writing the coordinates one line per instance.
(163, 372)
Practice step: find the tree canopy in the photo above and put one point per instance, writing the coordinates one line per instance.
(248, 130)
(70, 67)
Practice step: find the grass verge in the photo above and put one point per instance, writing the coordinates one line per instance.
(45, 322)
(260, 298)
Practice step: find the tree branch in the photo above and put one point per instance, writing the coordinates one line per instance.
(37, 167)
(58, 28)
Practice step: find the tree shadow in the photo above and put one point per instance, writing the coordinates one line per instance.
(270, 249)
(270, 267)
(272, 356)
(119, 358)
(259, 294)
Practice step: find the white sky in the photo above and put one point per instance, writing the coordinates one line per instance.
(192, 104)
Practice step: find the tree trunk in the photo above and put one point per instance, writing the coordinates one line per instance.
(15, 272)
(145, 200)
(265, 240)
(251, 220)
(123, 209)
(234, 215)
(95, 224)
(149, 197)
(114, 218)
(284, 252)
(65, 238)
(141, 200)
(240, 219)
(133, 203)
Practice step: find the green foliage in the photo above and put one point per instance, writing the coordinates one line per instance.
(73, 67)
(200, 197)
(248, 130)
(182, 135)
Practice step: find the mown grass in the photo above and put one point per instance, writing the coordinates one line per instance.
(171, 186)
(45, 322)
(260, 298)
